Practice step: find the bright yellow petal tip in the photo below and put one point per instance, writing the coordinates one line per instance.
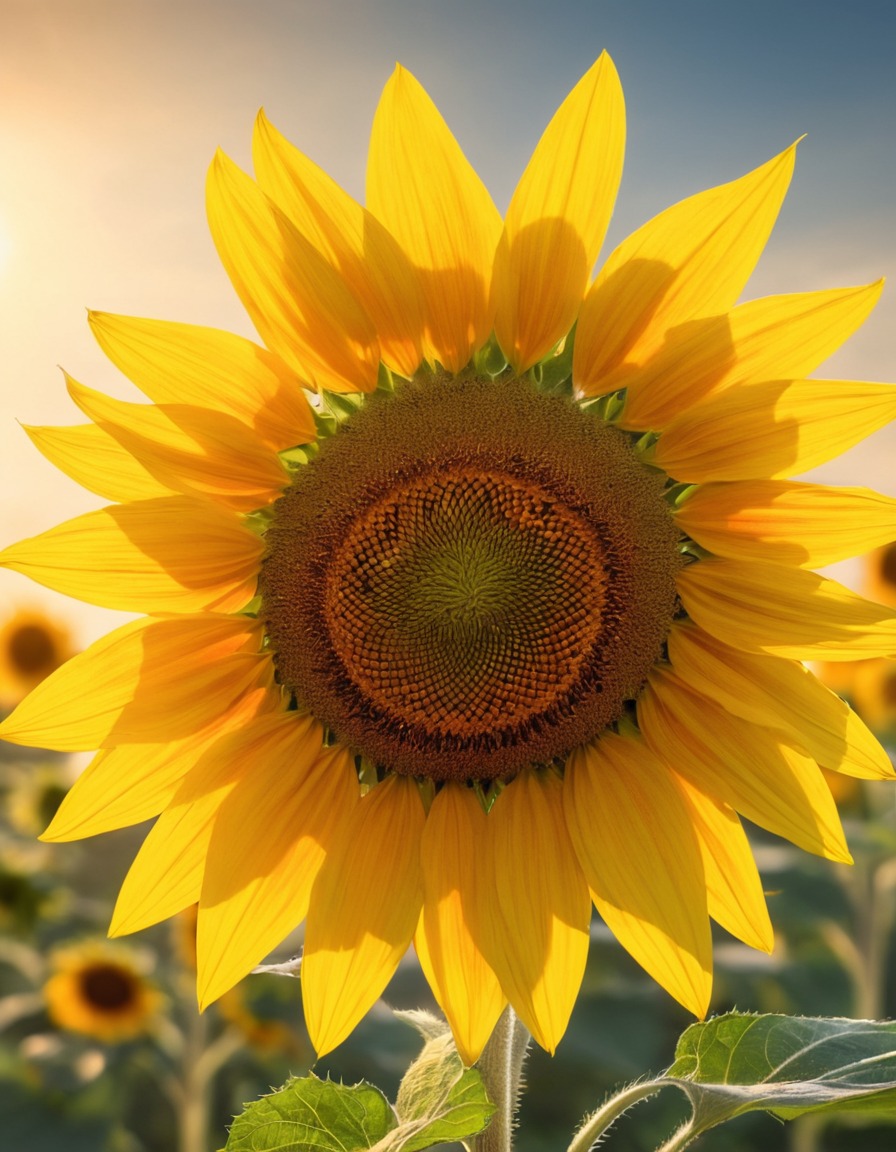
(557, 218)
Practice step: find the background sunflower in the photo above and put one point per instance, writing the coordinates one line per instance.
(101, 990)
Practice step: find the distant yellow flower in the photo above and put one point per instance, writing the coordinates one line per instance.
(34, 796)
(509, 619)
(873, 693)
(183, 936)
(870, 685)
(264, 1033)
(100, 990)
(32, 645)
(880, 575)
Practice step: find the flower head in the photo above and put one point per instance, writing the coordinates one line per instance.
(478, 593)
(32, 645)
(101, 990)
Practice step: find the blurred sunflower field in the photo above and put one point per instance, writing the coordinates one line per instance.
(103, 1049)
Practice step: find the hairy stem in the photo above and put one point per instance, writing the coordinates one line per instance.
(680, 1139)
(598, 1122)
(501, 1068)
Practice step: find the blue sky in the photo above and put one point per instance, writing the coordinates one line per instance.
(111, 112)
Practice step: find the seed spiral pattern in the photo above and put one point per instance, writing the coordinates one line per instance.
(460, 596)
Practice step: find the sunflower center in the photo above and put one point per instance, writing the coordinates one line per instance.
(888, 566)
(480, 583)
(31, 649)
(106, 987)
(468, 579)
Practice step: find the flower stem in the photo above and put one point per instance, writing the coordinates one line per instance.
(501, 1068)
(598, 1122)
(681, 1139)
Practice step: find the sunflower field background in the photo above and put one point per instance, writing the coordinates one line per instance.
(112, 114)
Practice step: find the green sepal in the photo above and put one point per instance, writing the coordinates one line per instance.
(607, 407)
(335, 408)
(553, 374)
(490, 360)
(676, 494)
(260, 520)
(297, 457)
(385, 381)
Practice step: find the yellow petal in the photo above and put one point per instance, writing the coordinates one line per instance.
(363, 911)
(186, 364)
(271, 835)
(690, 261)
(166, 875)
(190, 449)
(170, 554)
(775, 338)
(135, 782)
(786, 522)
(122, 786)
(96, 461)
(348, 237)
(449, 934)
(422, 187)
(536, 936)
(780, 694)
(761, 607)
(134, 696)
(775, 429)
(558, 216)
(741, 764)
(634, 837)
(733, 887)
(299, 303)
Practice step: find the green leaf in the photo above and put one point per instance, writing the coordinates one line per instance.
(439, 1100)
(311, 1115)
(786, 1065)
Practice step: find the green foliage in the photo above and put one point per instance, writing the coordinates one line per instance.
(786, 1065)
(313, 1114)
(439, 1101)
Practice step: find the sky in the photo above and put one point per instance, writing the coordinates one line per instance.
(110, 111)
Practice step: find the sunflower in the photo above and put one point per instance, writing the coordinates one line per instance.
(871, 684)
(880, 575)
(478, 594)
(34, 795)
(251, 1016)
(873, 693)
(32, 645)
(100, 990)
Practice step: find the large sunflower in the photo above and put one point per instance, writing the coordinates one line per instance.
(506, 618)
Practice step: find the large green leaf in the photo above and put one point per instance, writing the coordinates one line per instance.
(311, 1115)
(439, 1102)
(786, 1065)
